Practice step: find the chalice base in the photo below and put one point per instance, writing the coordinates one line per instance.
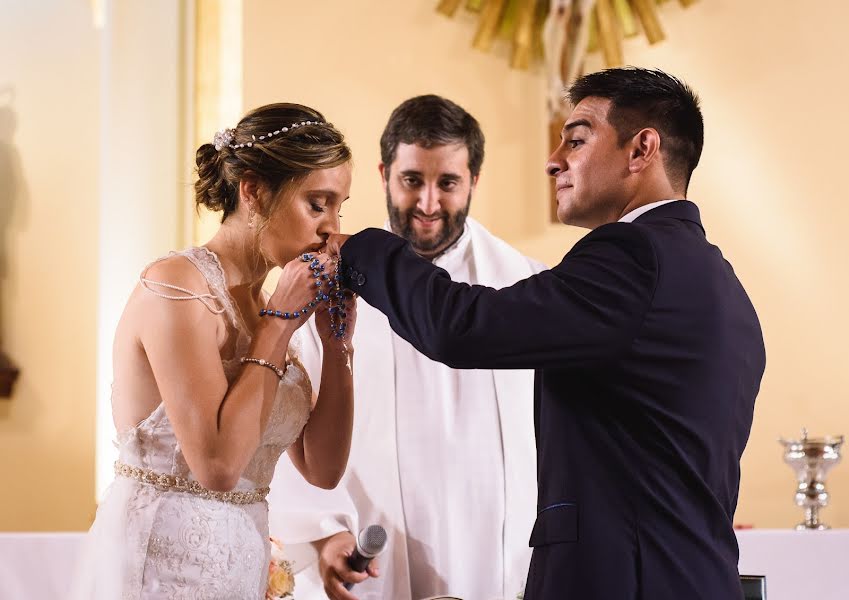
(817, 527)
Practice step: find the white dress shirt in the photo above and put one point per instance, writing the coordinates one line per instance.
(629, 217)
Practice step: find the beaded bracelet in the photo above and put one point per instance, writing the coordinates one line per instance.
(264, 363)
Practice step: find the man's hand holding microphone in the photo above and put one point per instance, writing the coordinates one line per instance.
(345, 560)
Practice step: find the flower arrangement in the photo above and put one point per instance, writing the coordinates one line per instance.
(281, 580)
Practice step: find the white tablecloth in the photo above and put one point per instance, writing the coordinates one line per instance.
(37, 566)
(798, 565)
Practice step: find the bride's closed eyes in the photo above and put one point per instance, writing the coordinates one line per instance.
(320, 209)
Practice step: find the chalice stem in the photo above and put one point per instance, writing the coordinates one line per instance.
(812, 517)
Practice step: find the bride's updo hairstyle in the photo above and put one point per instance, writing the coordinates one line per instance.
(281, 144)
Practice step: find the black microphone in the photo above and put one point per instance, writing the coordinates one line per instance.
(370, 543)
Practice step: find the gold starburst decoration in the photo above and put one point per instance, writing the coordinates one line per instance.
(561, 32)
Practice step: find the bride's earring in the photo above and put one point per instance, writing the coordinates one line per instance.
(251, 217)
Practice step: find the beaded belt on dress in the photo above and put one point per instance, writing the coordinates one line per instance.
(175, 483)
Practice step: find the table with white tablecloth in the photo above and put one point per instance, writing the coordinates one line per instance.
(37, 566)
(797, 564)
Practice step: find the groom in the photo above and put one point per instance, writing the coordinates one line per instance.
(647, 350)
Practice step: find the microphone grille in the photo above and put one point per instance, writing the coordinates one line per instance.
(372, 539)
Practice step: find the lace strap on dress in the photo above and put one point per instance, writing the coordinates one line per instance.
(210, 301)
(208, 263)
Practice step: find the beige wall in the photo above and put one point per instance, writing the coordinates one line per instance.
(773, 82)
(49, 146)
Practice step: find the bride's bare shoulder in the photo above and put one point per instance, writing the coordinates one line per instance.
(171, 292)
(175, 270)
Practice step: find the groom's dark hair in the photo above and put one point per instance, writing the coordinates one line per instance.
(650, 98)
(430, 121)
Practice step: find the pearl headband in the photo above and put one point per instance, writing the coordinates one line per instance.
(225, 136)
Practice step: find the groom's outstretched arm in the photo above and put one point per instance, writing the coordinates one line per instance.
(583, 312)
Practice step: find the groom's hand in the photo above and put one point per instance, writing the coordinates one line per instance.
(334, 569)
(334, 243)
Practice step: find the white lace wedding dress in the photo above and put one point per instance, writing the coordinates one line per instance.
(158, 534)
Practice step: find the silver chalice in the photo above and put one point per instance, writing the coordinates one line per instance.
(811, 459)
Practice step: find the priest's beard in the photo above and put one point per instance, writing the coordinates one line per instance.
(427, 245)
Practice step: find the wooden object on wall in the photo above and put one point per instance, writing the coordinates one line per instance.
(8, 375)
(488, 27)
(647, 12)
(523, 42)
(448, 7)
(609, 34)
(578, 36)
(592, 38)
(626, 18)
(555, 126)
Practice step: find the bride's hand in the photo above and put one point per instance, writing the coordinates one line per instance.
(322, 322)
(296, 289)
(334, 243)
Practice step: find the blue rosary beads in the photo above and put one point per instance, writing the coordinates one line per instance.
(336, 297)
(337, 312)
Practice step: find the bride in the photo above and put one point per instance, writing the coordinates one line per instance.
(208, 391)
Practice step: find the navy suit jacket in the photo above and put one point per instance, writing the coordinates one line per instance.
(648, 357)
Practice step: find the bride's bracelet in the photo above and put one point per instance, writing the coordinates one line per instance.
(264, 363)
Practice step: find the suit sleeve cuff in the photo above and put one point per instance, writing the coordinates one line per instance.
(356, 253)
